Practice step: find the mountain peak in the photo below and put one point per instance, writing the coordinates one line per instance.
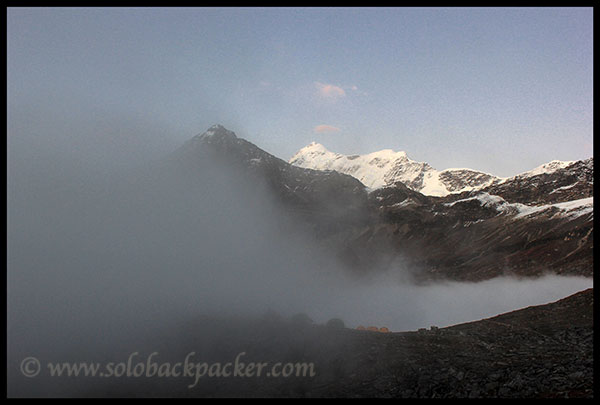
(387, 167)
(315, 146)
(218, 131)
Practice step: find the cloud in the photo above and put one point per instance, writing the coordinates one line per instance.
(330, 91)
(326, 128)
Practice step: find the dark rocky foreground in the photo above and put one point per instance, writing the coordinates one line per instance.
(541, 351)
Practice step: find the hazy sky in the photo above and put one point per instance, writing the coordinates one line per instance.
(500, 90)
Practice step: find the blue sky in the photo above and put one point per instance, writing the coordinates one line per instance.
(499, 90)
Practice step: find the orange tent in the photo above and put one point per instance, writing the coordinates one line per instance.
(360, 327)
(373, 328)
(384, 330)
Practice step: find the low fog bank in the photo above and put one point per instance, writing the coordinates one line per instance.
(405, 307)
(100, 264)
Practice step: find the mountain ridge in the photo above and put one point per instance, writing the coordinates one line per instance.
(386, 167)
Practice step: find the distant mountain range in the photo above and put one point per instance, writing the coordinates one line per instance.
(385, 212)
(387, 167)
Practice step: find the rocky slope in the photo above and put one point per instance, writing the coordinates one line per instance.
(477, 238)
(543, 351)
(526, 226)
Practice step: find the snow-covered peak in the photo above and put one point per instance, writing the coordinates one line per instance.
(371, 169)
(386, 167)
(314, 155)
(314, 148)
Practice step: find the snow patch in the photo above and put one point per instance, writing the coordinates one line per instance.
(572, 209)
(564, 188)
(484, 199)
(547, 168)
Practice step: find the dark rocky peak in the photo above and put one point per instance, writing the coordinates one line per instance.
(223, 146)
(324, 197)
(216, 134)
(398, 194)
